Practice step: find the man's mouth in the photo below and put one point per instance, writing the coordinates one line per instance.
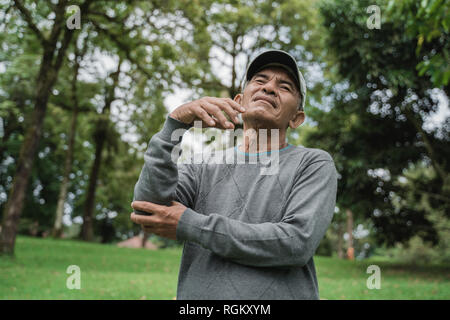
(269, 101)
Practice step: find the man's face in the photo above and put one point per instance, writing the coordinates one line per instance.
(270, 98)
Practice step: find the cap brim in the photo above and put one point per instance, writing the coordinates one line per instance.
(273, 58)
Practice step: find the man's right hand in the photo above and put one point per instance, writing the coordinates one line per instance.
(209, 111)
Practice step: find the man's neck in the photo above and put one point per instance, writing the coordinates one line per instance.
(261, 140)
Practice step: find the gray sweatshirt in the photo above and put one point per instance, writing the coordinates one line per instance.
(247, 235)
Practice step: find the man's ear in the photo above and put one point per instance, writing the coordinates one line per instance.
(238, 98)
(297, 120)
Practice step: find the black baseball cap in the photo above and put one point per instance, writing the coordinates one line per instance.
(278, 58)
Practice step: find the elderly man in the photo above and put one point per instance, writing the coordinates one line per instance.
(246, 235)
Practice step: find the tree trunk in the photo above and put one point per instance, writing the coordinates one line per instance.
(350, 249)
(11, 215)
(53, 56)
(57, 227)
(340, 234)
(144, 239)
(233, 89)
(87, 230)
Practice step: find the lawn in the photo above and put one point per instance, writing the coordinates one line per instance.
(107, 272)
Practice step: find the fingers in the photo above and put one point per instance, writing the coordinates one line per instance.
(201, 114)
(154, 225)
(163, 222)
(144, 220)
(149, 207)
(205, 109)
(229, 109)
(216, 107)
(214, 110)
(148, 229)
(235, 105)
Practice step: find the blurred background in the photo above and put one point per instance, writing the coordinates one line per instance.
(85, 84)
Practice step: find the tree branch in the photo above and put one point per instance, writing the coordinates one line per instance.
(108, 18)
(434, 195)
(220, 60)
(410, 116)
(58, 24)
(65, 106)
(123, 47)
(67, 37)
(27, 16)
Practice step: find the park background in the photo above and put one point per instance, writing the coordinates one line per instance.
(79, 103)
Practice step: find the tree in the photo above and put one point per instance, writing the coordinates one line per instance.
(58, 226)
(239, 29)
(103, 131)
(153, 62)
(123, 27)
(53, 48)
(374, 129)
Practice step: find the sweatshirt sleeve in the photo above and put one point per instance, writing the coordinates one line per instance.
(290, 242)
(161, 179)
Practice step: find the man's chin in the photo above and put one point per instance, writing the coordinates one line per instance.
(260, 117)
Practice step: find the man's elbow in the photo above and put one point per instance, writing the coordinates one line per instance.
(154, 196)
(302, 254)
(302, 260)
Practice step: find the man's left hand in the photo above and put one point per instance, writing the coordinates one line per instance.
(164, 220)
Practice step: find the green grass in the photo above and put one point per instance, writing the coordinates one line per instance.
(107, 272)
(344, 279)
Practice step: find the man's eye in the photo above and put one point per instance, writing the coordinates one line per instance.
(285, 88)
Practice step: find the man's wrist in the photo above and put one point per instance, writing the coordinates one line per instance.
(170, 126)
(174, 116)
(177, 116)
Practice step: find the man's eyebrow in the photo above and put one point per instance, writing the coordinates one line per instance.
(260, 74)
(263, 75)
(287, 82)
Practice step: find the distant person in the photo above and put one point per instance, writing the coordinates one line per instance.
(246, 235)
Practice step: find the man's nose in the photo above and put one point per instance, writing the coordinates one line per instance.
(269, 87)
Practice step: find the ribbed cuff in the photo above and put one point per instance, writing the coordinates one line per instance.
(190, 226)
(170, 125)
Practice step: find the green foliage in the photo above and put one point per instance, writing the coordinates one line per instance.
(240, 29)
(325, 248)
(137, 33)
(16, 96)
(415, 194)
(428, 22)
(374, 128)
(417, 252)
